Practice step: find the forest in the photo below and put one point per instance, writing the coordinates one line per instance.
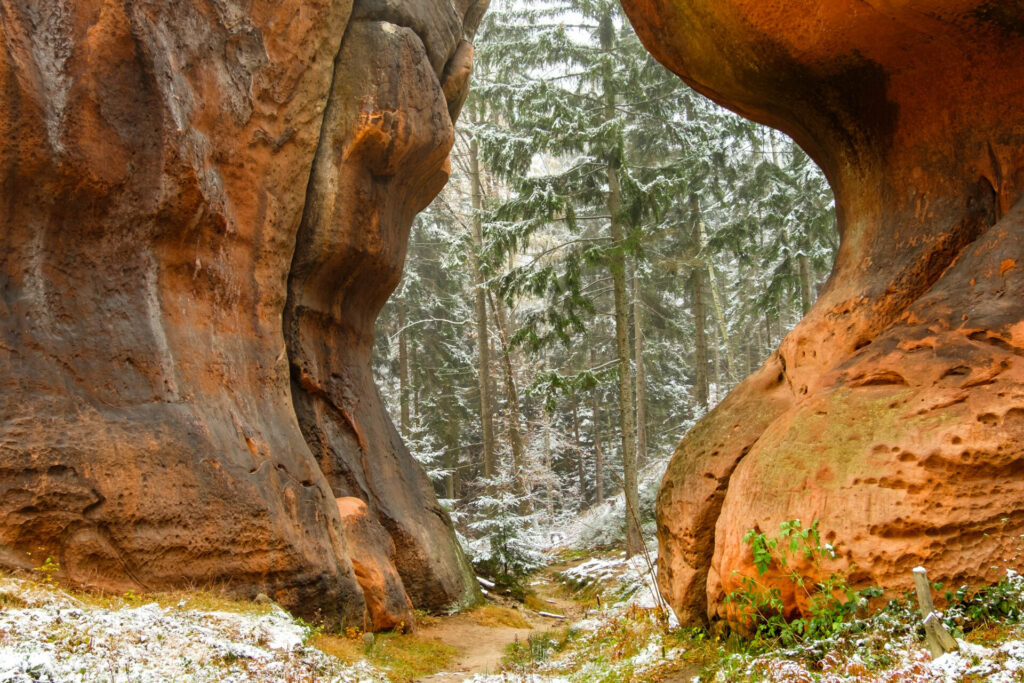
(612, 254)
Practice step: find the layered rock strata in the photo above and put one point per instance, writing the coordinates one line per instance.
(203, 206)
(894, 412)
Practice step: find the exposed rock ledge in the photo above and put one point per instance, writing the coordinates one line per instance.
(894, 412)
(203, 206)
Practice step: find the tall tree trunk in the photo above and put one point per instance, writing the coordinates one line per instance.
(581, 475)
(748, 351)
(482, 341)
(515, 435)
(598, 459)
(618, 268)
(414, 387)
(548, 489)
(641, 375)
(451, 463)
(403, 371)
(723, 329)
(805, 283)
(700, 337)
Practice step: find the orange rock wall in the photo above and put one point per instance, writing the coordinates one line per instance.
(893, 412)
(203, 206)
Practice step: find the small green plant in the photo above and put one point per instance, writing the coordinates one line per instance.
(311, 630)
(833, 604)
(536, 649)
(47, 570)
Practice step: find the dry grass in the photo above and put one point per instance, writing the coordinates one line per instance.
(538, 604)
(204, 600)
(994, 634)
(494, 616)
(403, 657)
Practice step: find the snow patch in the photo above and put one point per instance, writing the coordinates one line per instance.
(51, 636)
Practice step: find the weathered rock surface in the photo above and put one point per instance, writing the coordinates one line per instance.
(373, 558)
(894, 412)
(203, 206)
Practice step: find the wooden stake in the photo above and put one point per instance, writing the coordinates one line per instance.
(938, 638)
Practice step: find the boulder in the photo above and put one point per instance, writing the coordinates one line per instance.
(203, 207)
(893, 413)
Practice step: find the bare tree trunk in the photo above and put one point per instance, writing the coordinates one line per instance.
(717, 347)
(618, 268)
(700, 337)
(482, 341)
(748, 352)
(451, 463)
(579, 451)
(515, 435)
(641, 375)
(403, 371)
(805, 283)
(723, 330)
(598, 460)
(414, 390)
(548, 489)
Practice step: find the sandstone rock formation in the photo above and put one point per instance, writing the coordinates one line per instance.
(373, 558)
(203, 206)
(894, 412)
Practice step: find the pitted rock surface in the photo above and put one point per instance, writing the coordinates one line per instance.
(203, 206)
(893, 412)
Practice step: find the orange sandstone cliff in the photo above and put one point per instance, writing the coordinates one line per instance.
(894, 412)
(203, 206)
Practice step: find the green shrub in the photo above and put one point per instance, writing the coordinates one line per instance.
(969, 608)
(833, 605)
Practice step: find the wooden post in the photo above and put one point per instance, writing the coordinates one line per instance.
(938, 638)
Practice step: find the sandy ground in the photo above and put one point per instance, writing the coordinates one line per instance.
(480, 647)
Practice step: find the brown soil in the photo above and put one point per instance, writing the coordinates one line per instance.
(481, 648)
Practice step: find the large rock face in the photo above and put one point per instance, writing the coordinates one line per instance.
(203, 206)
(894, 412)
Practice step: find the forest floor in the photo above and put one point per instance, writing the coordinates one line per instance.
(613, 632)
(609, 630)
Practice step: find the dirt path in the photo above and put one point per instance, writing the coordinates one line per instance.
(482, 647)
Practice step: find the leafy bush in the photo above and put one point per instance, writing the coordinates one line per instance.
(833, 605)
(969, 608)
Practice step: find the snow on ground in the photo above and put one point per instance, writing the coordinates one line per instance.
(47, 635)
(603, 526)
(625, 585)
(1003, 664)
(633, 578)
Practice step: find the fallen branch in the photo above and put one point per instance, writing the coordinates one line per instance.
(549, 615)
